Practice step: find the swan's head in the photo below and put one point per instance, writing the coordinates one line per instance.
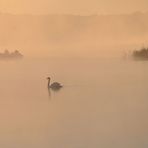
(48, 78)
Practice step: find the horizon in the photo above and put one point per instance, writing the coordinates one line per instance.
(76, 14)
(79, 7)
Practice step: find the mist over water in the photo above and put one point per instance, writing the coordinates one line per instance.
(103, 103)
(73, 35)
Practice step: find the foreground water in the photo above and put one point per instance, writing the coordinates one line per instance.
(104, 104)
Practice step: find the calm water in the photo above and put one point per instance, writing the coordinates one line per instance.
(104, 104)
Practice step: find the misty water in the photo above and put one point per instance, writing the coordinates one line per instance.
(103, 104)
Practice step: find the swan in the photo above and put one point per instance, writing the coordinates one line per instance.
(55, 85)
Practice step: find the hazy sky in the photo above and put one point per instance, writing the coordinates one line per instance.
(73, 6)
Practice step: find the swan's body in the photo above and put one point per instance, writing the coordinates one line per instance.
(55, 85)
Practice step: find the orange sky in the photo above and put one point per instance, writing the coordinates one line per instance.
(73, 6)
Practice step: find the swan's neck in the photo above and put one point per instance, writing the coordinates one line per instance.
(49, 83)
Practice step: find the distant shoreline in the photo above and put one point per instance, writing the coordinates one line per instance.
(6, 55)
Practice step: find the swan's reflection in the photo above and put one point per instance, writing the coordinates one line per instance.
(51, 90)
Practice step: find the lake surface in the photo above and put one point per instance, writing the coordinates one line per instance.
(103, 104)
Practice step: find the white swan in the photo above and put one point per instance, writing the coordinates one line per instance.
(55, 85)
